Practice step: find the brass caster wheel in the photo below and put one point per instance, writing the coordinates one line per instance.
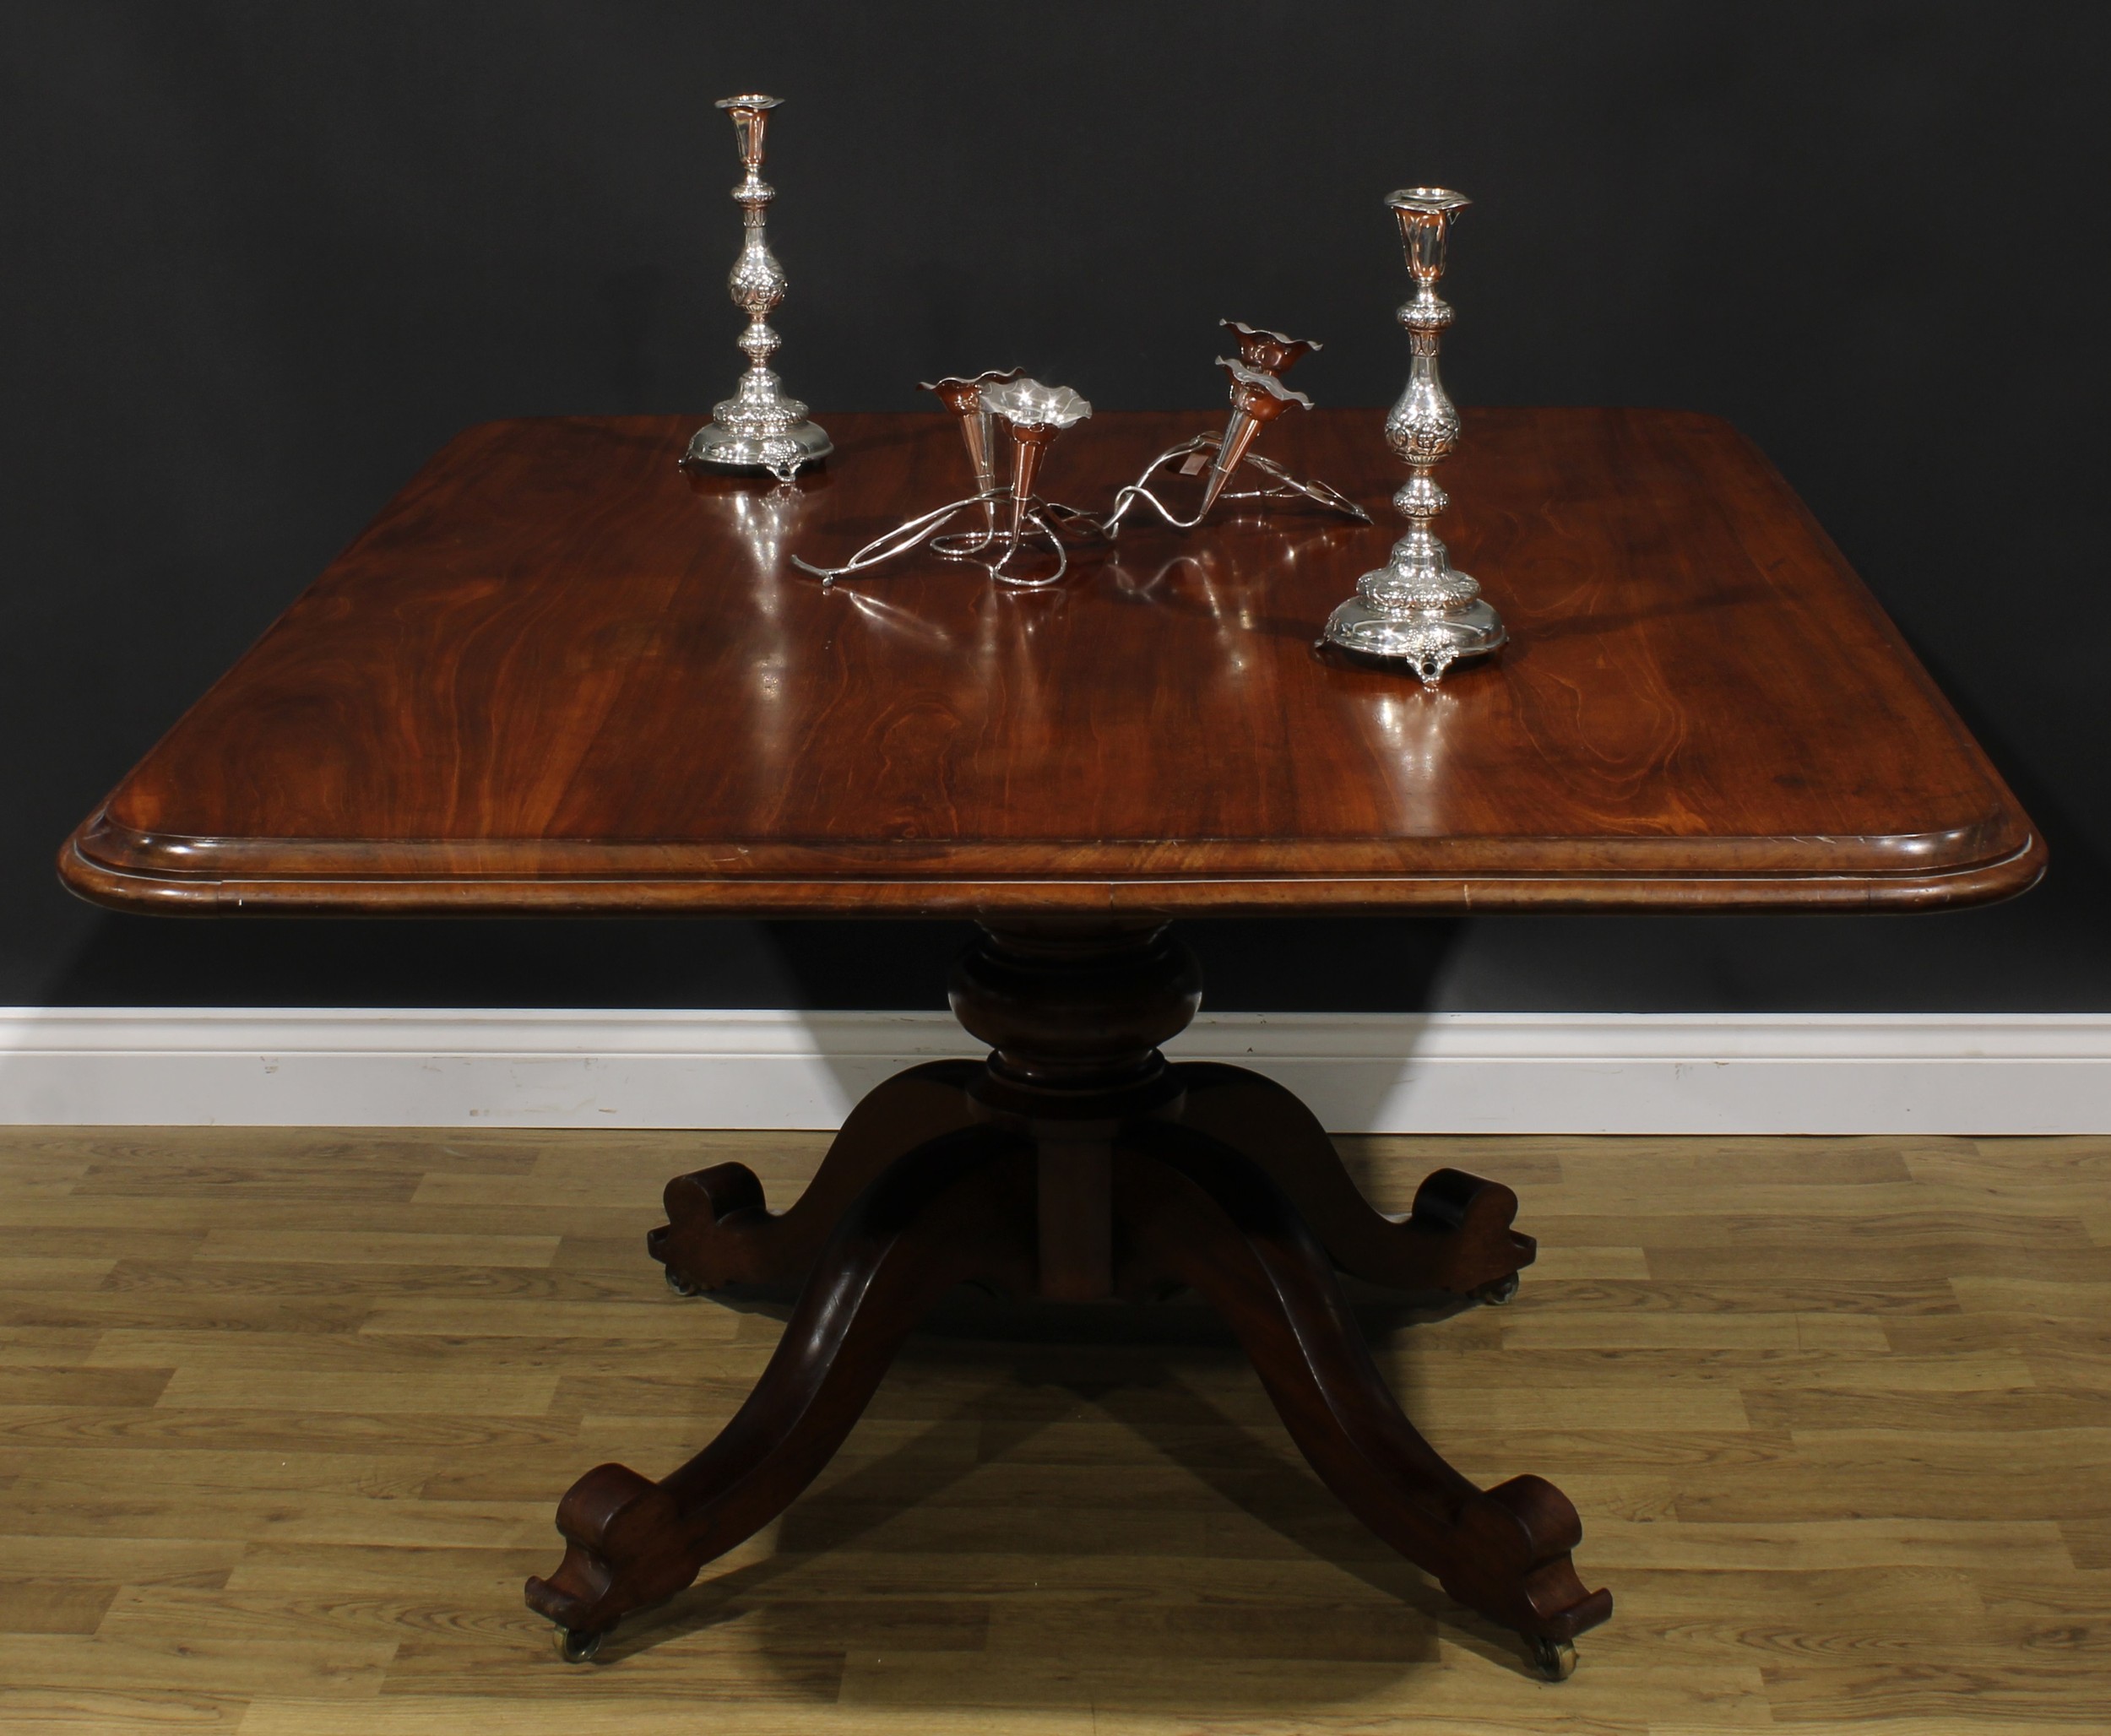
(1554, 1659)
(575, 1647)
(1497, 1290)
(680, 1286)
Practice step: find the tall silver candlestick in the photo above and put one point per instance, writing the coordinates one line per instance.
(1419, 608)
(759, 428)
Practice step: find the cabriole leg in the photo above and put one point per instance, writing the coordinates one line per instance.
(961, 1207)
(1458, 1237)
(720, 1230)
(1191, 1209)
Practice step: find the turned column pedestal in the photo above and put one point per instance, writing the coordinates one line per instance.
(1076, 1164)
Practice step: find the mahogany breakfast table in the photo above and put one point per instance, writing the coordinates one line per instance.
(558, 674)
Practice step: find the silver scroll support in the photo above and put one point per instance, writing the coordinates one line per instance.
(759, 428)
(1419, 609)
(1258, 397)
(1025, 416)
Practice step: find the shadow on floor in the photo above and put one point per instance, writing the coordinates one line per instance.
(1158, 1389)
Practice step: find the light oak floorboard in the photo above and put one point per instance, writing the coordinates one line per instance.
(284, 1414)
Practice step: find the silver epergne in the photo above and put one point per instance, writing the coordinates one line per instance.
(996, 411)
(1258, 397)
(979, 432)
(1419, 609)
(759, 428)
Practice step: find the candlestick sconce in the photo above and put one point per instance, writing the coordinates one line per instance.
(1419, 609)
(1258, 397)
(997, 412)
(759, 428)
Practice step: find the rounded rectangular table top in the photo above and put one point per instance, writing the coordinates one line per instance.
(559, 674)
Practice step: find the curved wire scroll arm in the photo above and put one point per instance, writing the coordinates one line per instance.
(1284, 487)
(925, 531)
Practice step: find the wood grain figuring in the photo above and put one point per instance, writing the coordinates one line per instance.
(557, 674)
(1837, 1414)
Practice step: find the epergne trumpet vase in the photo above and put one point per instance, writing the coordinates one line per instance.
(759, 428)
(996, 411)
(1419, 608)
(1258, 397)
(978, 433)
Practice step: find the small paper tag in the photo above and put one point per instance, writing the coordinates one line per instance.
(1196, 463)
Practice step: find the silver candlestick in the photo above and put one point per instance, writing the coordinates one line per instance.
(759, 428)
(1419, 609)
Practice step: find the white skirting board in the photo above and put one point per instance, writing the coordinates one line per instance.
(1462, 1072)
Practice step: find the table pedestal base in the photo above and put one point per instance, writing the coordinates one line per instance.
(1077, 1165)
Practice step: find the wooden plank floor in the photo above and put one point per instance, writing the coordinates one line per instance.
(283, 1416)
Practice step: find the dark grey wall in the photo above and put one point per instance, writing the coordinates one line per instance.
(260, 259)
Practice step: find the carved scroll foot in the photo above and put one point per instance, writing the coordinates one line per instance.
(721, 1229)
(1457, 1238)
(959, 1208)
(1193, 1209)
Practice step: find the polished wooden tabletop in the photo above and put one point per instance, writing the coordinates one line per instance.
(558, 674)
